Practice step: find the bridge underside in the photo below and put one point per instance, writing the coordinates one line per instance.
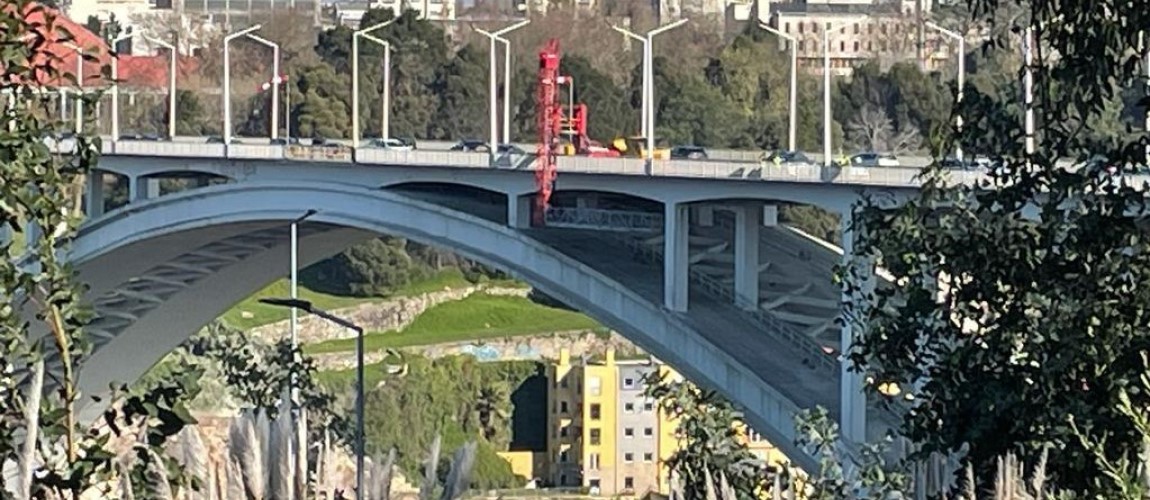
(161, 269)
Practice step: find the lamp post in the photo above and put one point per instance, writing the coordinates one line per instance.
(384, 129)
(954, 35)
(301, 456)
(275, 118)
(116, 86)
(228, 81)
(79, 111)
(506, 89)
(793, 126)
(493, 146)
(278, 80)
(1028, 57)
(827, 87)
(307, 306)
(649, 80)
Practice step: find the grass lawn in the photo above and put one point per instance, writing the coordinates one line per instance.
(479, 316)
(262, 314)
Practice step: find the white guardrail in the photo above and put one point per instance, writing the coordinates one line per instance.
(882, 176)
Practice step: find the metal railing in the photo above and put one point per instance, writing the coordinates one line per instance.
(800, 343)
(607, 220)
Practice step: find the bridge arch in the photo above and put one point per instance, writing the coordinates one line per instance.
(161, 225)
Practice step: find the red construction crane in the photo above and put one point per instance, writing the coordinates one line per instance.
(549, 118)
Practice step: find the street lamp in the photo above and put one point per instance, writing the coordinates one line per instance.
(827, 87)
(506, 89)
(307, 306)
(301, 457)
(961, 77)
(116, 86)
(494, 37)
(79, 111)
(228, 81)
(794, 82)
(649, 80)
(385, 127)
(278, 80)
(1028, 56)
(275, 125)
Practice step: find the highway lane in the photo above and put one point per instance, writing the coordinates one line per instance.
(714, 155)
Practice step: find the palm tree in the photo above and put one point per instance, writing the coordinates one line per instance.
(489, 410)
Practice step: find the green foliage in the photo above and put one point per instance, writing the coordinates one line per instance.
(374, 268)
(477, 317)
(709, 441)
(1045, 272)
(251, 313)
(456, 397)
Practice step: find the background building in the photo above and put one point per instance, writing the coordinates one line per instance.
(604, 434)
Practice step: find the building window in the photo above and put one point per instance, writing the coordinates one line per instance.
(629, 483)
(563, 431)
(787, 28)
(596, 411)
(562, 479)
(629, 432)
(593, 464)
(856, 46)
(870, 29)
(629, 408)
(649, 406)
(648, 457)
(563, 384)
(594, 386)
(882, 28)
(563, 456)
(648, 432)
(800, 28)
(628, 457)
(814, 27)
(869, 46)
(842, 46)
(562, 407)
(594, 483)
(596, 436)
(628, 383)
(802, 45)
(856, 28)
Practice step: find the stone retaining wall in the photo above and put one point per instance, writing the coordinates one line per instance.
(537, 347)
(393, 314)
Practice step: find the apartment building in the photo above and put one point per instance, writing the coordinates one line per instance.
(605, 435)
(858, 31)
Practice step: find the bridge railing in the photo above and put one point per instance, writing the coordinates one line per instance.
(798, 342)
(607, 220)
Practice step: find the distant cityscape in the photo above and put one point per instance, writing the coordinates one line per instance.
(887, 30)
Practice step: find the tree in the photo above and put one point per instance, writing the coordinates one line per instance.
(872, 130)
(708, 429)
(374, 268)
(1017, 319)
(462, 90)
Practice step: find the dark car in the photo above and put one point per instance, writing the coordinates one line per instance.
(133, 136)
(789, 158)
(284, 141)
(324, 142)
(471, 146)
(689, 152)
(510, 149)
(215, 139)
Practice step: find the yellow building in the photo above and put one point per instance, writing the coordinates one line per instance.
(605, 435)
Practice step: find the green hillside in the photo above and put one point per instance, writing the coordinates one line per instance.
(480, 316)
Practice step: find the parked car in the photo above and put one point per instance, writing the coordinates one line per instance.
(323, 142)
(471, 146)
(134, 136)
(873, 160)
(215, 139)
(689, 152)
(391, 144)
(284, 141)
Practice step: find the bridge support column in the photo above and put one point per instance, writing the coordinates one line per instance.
(852, 419)
(676, 250)
(748, 219)
(519, 211)
(94, 194)
(143, 188)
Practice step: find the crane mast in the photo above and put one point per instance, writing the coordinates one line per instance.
(549, 116)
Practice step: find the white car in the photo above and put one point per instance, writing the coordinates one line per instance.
(874, 160)
(392, 144)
